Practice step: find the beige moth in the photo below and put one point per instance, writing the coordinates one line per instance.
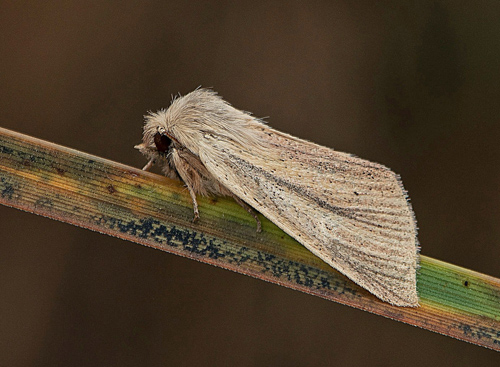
(352, 213)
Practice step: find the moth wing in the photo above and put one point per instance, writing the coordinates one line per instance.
(350, 212)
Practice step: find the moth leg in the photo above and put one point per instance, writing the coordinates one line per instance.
(148, 165)
(195, 202)
(188, 175)
(250, 210)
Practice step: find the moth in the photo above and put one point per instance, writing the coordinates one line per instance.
(352, 213)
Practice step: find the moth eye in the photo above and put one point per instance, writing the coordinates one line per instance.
(162, 142)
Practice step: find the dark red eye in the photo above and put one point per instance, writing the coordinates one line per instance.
(162, 142)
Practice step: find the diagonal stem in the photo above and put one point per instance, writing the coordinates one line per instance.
(111, 198)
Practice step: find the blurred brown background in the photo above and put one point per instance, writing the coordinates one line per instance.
(415, 87)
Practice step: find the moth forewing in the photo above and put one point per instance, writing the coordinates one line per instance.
(350, 212)
(357, 220)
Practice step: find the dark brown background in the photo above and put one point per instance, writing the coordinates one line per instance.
(415, 87)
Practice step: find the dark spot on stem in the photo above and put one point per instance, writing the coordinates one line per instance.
(60, 171)
(8, 191)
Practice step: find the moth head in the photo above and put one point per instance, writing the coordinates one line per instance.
(156, 142)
